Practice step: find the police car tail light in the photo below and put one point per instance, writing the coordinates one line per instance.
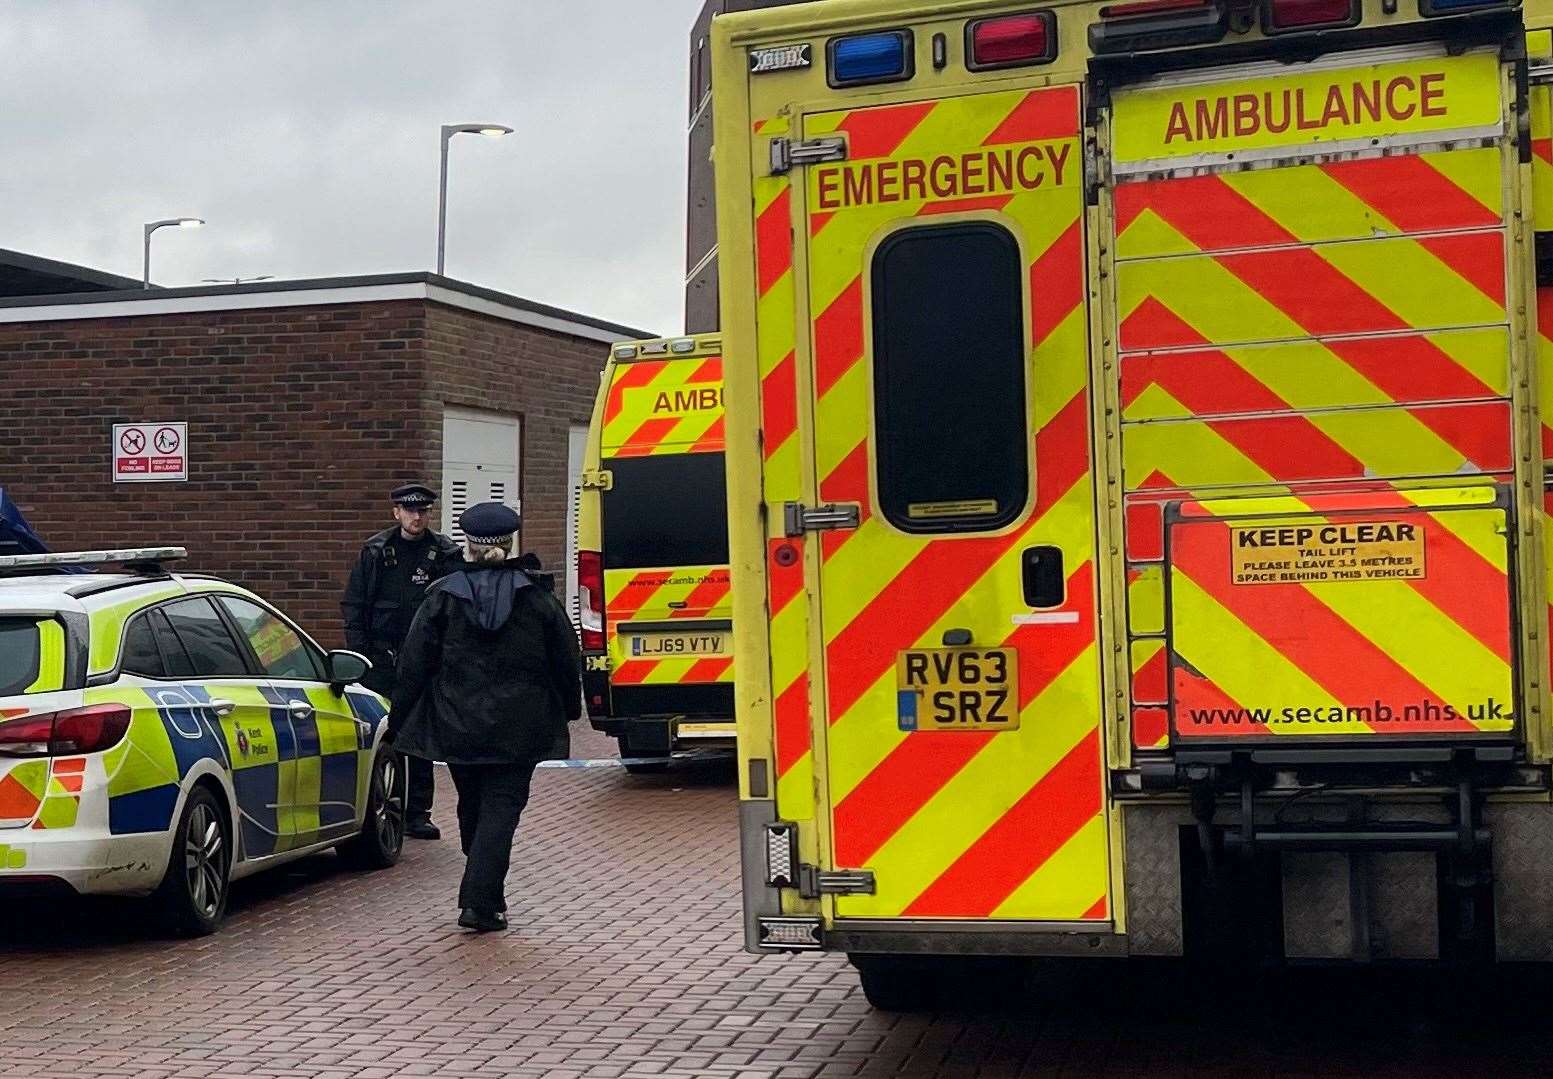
(590, 599)
(63, 734)
(1011, 41)
(1280, 15)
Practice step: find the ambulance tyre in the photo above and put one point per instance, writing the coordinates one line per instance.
(640, 767)
(191, 900)
(381, 839)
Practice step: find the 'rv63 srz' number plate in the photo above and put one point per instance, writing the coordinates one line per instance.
(958, 689)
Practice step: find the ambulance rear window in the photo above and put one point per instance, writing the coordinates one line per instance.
(949, 378)
(666, 510)
(31, 655)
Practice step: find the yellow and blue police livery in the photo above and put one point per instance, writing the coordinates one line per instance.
(163, 735)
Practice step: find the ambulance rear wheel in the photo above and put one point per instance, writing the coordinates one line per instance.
(641, 767)
(892, 984)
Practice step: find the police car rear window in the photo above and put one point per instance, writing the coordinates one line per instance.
(21, 655)
(949, 378)
(666, 511)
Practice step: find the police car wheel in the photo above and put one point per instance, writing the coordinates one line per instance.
(381, 839)
(193, 894)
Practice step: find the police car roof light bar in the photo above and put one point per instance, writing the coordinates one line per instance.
(140, 559)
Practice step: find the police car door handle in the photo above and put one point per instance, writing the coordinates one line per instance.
(222, 708)
(301, 710)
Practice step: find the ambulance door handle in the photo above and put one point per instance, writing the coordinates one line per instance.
(1045, 585)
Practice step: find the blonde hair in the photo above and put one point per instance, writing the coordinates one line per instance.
(482, 552)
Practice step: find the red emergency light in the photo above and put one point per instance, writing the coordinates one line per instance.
(1141, 25)
(1284, 16)
(1011, 41)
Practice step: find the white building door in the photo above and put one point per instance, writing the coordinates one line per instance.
(480, 463)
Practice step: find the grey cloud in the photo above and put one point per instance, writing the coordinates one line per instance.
(306, 133)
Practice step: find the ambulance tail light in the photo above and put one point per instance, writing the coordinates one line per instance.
(65, 734)
(590, 599)
(1158, 24)
(1011, 41)
(1283, 16)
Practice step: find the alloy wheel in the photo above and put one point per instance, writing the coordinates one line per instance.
(205, 860)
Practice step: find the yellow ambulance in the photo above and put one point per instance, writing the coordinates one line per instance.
(1135, 475)
(652, 554)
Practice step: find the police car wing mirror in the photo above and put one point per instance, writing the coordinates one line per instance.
(346, 668)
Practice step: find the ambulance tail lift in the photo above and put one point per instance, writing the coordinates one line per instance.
(1135, 475)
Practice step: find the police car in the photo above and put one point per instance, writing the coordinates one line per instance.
(162, 735)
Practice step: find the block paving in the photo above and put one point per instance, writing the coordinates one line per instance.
(624, 962)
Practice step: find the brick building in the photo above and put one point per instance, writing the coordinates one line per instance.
(306, 401)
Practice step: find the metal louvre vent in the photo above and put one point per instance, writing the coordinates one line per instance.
(458, 502)
(574, 600)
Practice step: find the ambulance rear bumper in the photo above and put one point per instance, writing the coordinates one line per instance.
(984, 937)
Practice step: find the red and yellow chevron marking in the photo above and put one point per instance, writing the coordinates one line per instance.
(1429, 655)
(656, 595)
(665, 406)
(1539, 44)
(1292, 351)
(782, 481)
(1005, 825)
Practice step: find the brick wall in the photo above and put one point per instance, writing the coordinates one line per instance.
(300, 421)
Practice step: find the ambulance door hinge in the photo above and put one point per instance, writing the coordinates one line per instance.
(787, 153)
(814, 882)
(798, 518)
(597, 479)
(1539, 72)
(1096, 174)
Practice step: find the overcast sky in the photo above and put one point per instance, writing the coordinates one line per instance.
(306, 133)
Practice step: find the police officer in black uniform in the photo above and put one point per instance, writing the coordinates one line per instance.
(387, 585)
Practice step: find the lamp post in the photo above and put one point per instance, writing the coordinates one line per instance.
(448, 131)
(152, 226)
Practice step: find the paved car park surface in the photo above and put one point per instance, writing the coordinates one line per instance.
(624, 962)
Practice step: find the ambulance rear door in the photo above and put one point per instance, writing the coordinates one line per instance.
(954, 586)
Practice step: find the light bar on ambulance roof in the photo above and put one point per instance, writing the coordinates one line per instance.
(1157, 24)
(625, 352)
(859, 59)
(1286, 16)
(682, 345)
(1011, 41)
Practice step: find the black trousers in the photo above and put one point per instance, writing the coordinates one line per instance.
(491, 798)
(421, 777)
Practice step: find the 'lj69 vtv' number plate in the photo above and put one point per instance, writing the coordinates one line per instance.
(958, 689)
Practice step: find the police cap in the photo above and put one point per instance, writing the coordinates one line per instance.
(489, 524)
(414, 495)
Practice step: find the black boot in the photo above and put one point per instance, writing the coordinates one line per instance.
(422, 828)
(482, 921)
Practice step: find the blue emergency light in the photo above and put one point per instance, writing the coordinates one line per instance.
(865, 58)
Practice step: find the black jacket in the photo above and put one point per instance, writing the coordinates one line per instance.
(491, 672)
(367, 617)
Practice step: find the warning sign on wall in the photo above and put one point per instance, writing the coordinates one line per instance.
(1310, 553)
(150, 452)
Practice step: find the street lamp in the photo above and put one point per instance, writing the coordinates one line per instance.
(238, 280)
(152, 226)
(448, 131)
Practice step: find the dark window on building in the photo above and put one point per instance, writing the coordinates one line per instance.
(141, 654)
(949, 378)
(205, 636)
(666, 511)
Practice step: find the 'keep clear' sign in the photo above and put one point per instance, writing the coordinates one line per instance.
(1311, 553)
